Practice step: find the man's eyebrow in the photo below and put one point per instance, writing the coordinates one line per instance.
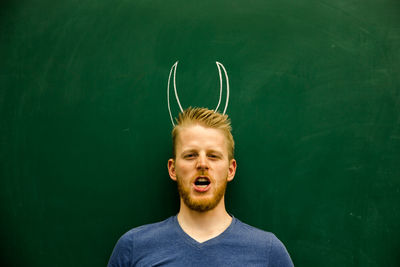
(215, 151)
(189, 150)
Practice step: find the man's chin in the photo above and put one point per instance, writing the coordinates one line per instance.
(201, 202)
(201, 207)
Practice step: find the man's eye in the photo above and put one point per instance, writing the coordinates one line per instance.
(213, 156)
(189, 156)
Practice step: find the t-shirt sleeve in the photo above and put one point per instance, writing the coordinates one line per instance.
(279, 257)
(122, 253)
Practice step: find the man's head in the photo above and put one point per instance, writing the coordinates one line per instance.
(203, 161)
(208, 119)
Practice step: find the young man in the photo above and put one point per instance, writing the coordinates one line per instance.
(203, 233)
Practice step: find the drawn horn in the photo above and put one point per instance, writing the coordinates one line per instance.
(219, 66)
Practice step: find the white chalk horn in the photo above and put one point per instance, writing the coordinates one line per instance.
(219, 66)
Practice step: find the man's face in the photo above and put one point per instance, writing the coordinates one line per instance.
(201, 167)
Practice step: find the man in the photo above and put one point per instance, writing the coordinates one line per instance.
(203, 233)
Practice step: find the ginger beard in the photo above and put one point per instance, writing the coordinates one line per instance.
(196, 201)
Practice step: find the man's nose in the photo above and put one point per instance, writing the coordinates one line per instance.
(202, 163)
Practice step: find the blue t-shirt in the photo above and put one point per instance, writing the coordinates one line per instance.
(166, 244)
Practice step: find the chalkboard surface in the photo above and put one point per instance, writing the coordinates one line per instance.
(85, 130)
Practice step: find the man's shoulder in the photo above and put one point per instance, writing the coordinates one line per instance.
(142, 240)
(251, 232)
(256, 238)
(149, 231)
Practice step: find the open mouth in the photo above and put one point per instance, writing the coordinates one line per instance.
(201, 183)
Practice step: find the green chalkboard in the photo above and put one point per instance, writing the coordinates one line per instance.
(85, 130)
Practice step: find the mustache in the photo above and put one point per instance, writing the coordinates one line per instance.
(202, 174)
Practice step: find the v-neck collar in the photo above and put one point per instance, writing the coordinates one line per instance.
(193, 242)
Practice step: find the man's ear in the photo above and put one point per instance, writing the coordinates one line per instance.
(231, 170)
(171, 169)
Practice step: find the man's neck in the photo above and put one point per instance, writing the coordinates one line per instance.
(202, 226)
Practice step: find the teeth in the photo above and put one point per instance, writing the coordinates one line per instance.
(202, 182)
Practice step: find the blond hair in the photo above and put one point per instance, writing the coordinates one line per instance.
(206, 118)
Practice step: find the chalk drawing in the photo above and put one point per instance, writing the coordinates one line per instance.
(219, 66)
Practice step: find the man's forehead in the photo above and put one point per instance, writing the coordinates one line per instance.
(198, 133)
(190, 130)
